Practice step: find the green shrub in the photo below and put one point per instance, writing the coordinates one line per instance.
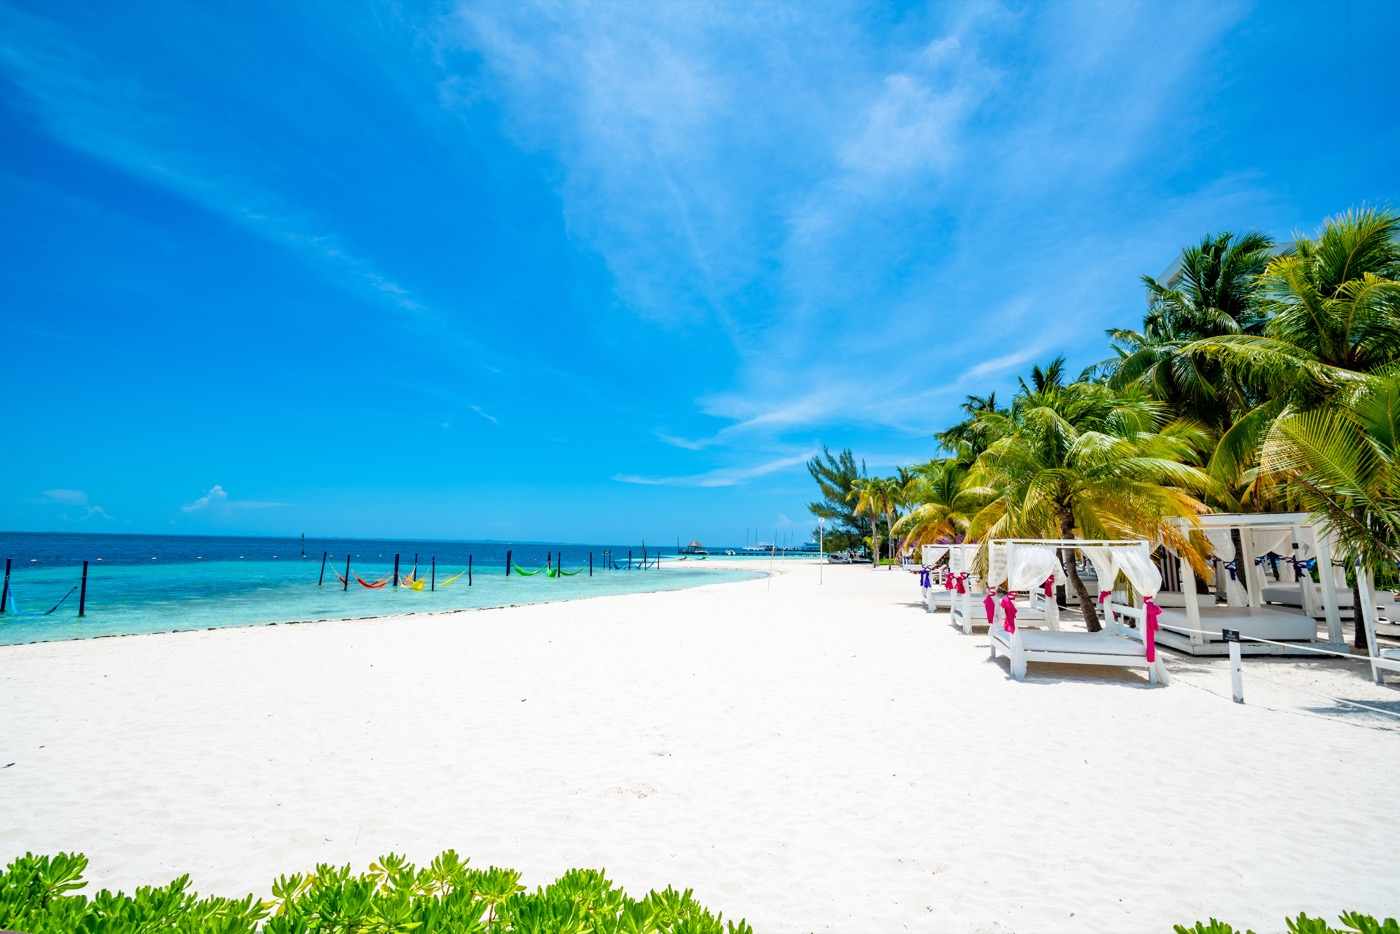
(38, 896)
(1353, 923)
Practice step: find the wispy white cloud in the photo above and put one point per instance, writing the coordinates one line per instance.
(78, 500)
(484, 414)
(720, 477)
(110, 115)
(217, 501)
(66, 497)
(881, 190)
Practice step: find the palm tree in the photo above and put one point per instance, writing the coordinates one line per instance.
(876, 497)
(1334, 314)
(940, 507)
(970, 437)
(836, 477)
(1341, 462)
(1086, 461)
(1210, 295)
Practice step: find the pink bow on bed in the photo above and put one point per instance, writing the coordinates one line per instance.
(962, 582)
(1104, 595)
(1149, 630)
(990, 603)
(1008, 607)
(1048, 588)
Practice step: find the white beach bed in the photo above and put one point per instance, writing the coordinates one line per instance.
(1194, 623)
(1116, 645)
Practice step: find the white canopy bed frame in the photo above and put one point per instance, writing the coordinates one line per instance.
(969, 593)
(1031, 561)
(932, 578)
(1195, 626)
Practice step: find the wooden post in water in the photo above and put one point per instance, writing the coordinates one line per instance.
(347, 572)
(433, 585)
(396, 569)
(548, 562)
(507, 562)
(469, 570)
(559, 568)
(322, 579)
(590, 564)
(415, 565)
(82, 593)
(5, 588)
(629, 559)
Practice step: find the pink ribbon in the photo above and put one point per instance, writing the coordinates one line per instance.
(1104, 595)
(990, 603)
(1008, 607)
(962, 582)
(948, 580)
(1048, 588)
(1150, 612)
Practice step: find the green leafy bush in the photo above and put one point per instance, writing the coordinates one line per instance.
(1353, 923)
(38, 896)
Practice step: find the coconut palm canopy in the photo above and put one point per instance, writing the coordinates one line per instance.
(1261, 376)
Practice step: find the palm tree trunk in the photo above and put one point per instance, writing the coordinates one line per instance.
(1086, 602)
(875, 542)
(889, 527)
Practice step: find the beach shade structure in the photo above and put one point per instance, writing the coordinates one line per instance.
(1383, 658)
(968, 608)
(1239, 598)
(975, 601)
(1030, 561)
(934, 583)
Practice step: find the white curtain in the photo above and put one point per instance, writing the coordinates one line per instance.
(996, 564)
(932, 554)
(1138, 567)
(1221, 543)
(1103, 559)
(1029, 565)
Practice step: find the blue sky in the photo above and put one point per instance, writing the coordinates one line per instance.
(603, 271)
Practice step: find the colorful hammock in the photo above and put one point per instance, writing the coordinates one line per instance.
(412, 583)
(517, 569)
(449, 581)
(372, 585)
(560, 572)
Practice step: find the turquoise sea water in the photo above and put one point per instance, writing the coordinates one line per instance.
(143, 584)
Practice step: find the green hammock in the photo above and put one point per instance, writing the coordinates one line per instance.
(560, 571)
(517, 569)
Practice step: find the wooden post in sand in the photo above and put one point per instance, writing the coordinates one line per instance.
(433, 586)
(5, 588)
(346, 582)
(507, 562)
(322, 579)
(82, 593)
(396, 569)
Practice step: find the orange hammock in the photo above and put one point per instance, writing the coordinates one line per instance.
(372, 585)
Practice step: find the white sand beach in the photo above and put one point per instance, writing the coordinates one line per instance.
(811, 757)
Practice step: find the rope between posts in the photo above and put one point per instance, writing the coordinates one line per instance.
(1286, 645)
(1338, 700)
